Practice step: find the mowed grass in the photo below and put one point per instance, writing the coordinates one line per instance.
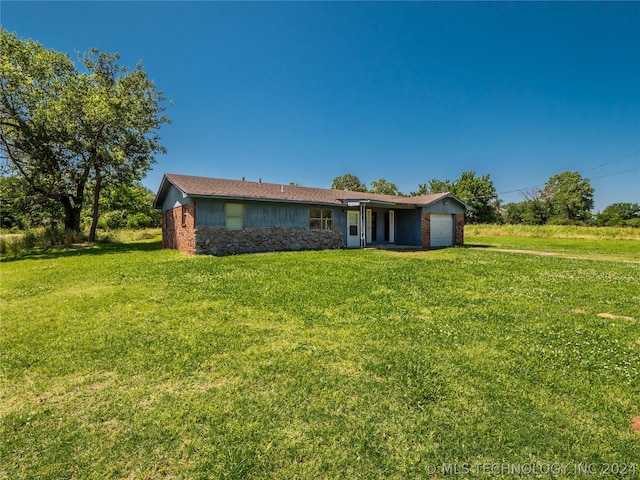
(126, 361)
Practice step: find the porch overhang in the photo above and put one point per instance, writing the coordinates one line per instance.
(379, 204)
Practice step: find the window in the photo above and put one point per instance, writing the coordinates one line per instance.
(234, 216)
(184, 215)
(320, 219)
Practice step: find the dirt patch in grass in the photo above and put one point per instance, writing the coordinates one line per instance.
(635, 424)
(614, 317)
(603, 315)
(530, 252)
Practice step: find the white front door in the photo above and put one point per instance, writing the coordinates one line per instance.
(353, 228)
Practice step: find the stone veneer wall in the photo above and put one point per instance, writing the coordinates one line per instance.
(220, 241)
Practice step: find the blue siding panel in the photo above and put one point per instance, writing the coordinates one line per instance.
(446, 205)
(209, 213)
(174, 199)
(275, 215)
(409, 227)
(340, 221)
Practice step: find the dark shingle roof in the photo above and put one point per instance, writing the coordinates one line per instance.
(222, 188)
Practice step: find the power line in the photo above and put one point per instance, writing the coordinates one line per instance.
(583, 172)
(618, 173)
(522, 189)
(612, 161)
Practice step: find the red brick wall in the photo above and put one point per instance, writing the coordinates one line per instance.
(426, 230)
(175, 233)
(459, 236)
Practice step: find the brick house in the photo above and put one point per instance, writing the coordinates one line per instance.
(219, 217)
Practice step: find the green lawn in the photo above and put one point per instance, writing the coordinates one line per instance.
(606, 243)
(127, 361)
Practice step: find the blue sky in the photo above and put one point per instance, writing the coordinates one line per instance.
(308, 91)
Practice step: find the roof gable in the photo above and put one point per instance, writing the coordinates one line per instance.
(205, 187)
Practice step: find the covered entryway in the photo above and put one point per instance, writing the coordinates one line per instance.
(441, 230)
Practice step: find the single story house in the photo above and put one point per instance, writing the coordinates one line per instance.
(219, 217)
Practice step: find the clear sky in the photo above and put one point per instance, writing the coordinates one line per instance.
(308, 91)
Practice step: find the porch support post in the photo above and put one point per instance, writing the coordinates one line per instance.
(363, 239)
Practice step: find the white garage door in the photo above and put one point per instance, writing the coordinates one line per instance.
(441, 230)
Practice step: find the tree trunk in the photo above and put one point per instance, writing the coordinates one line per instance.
(96, 213)
(71, 214)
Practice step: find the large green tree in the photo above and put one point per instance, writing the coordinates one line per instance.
(385, 187)
(32, 80)
(348, 181)
(566, 198)
(480, 194)
(63, 129)
(434, 186)
(477, 192)
(569, 197)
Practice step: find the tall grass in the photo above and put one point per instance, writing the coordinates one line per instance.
(39, 238)
(16, 244)
(554, 231)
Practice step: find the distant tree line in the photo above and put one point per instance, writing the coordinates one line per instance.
(565, 199)
(619, 214)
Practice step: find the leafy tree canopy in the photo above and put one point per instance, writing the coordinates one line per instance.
(477, 192)
(530, 212)
(566, 198)
(21, 211)
(569, 197)
(480, 194)
(348, 182)
(434, 186)
(63, 130)
(620, 214)
(126, 206)
(385, 187)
